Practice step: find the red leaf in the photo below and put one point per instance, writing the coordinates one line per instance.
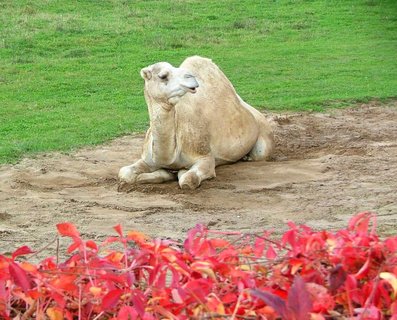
(192, 242)
(58, 298)
(199, 288)
(352, 289)
(299, 303)
(363, 270)
(289, 237)
(110, 240)
(139, 302)
(20, 276)
(322, 300)
(127, 312)
(219, 243)
(259, 246)
(3, 293)
(21, 251)
(369, 313)
(337, 278)
(391, 244)
(161, 311)
(230, 297)
(273, 301)
(360, 222)
(119, 230)
(65, 282)
(111, 299)
(179, 295)
(92, 245)
(137, 236)
(270, 253)
(67, 230)
(73, 247)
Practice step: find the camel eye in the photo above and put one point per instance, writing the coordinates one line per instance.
(163, 75)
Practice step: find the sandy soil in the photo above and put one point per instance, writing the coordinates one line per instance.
(326, 168)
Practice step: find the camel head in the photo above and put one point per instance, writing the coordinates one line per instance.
(166, 84)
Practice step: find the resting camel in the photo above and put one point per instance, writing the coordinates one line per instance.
(197, 122)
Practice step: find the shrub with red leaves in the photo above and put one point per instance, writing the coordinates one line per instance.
(306, 274)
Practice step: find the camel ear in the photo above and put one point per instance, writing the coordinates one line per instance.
(146, 74)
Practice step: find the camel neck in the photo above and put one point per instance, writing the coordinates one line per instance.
(162, 126)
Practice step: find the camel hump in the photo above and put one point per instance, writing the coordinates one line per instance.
(211, 77)
(197, 61)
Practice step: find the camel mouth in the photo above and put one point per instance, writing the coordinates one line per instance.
(191, 89)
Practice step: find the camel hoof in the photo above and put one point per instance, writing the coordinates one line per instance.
(189, 182)
(127, 175)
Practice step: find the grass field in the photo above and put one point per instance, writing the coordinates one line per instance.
(69, 70)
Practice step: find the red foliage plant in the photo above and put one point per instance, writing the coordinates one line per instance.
(306, 274)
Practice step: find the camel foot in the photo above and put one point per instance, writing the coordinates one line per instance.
(127, 175)
(189, 181)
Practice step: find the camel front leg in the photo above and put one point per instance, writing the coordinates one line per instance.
(203, 169)
(129, 174)
(140, 172)
(158, 176)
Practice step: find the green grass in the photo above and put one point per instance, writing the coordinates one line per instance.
(69, 70)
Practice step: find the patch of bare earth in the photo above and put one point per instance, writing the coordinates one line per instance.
(326, 167)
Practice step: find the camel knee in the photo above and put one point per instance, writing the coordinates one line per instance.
(130, 173)
(263, 148)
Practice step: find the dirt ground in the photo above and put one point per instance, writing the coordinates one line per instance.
(326, 167)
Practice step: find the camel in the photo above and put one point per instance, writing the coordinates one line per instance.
(197, 122)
